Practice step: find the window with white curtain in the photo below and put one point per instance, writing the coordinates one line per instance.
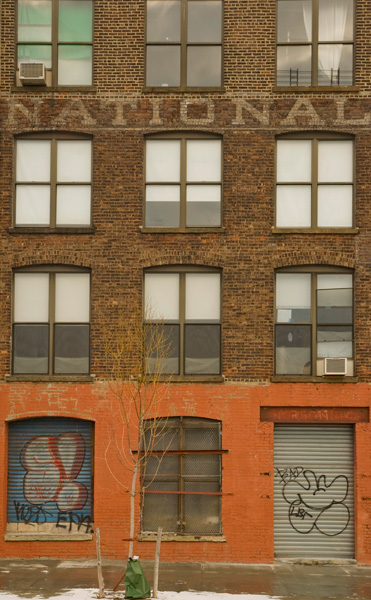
(51, 315)
(315, 42)
(183, 182)
(184, 43)
(314, 319)
(314, 186)
(53, 182)
(59, 34)
(186, 301)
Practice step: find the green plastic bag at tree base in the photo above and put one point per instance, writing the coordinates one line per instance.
(136, 585)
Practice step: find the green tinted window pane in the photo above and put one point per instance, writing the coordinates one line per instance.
(37, 53)
(75, 65)
(75, 21)
(34, 20)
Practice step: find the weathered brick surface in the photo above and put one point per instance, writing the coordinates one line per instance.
(249, 114)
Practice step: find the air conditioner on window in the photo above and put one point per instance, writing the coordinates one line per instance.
(32, 73)
(335, 366)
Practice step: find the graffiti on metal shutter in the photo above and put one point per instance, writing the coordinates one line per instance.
(313, 499)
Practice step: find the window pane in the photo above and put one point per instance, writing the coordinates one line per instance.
(293, 294)
(71, 349)
(335, 64)
(294, 161)
(201, 512)
(161, 296)
(334, 342)
(72, 297)
(335, 161)
(34, 20)
(202, 349)
(33, 160)
(293, 350)
(30, 349)
(335, 20)
(160, 466)
(294, 21)
(162, 350)
(334, 281)
(162, 206)
(73, 204)
(161, 510)
(74, 160)
(294, 65)
(163, 66)
(204, 21)
(35, 54)
(31, 297)
(163, 160)
(168, 436)
(203, 206)
(75, 21)
(201, 465)
(32, 205)
(202, 297)
(335, 206)
(75, 65)
(204, 160)
(204, 66)
(294, 206)
(163, 21)
(335, 306)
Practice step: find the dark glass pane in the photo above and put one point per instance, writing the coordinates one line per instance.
(163, 21)
(294, 65)
(201, 465)
(204, 21)
(163, 66)
(204, 66)
(334, 341)
(202, 349)
(71, 349)
(160, 465)
(162, 349)
(202, 512)
(294, 21)
(293, 350)
(162, 434)
(205, 438)
(162, 213)
(161, 510)
(30, 349)
(335, 306)
(203, 214)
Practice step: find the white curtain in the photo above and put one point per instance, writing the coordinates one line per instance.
(332, 23)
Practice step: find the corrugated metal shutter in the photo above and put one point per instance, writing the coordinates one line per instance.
(50, 471)
(313, 491)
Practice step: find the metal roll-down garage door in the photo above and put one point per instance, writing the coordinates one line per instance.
(313, 491)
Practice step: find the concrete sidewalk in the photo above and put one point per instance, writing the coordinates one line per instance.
(47, 578)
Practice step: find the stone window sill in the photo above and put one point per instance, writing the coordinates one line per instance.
(51, 378)
(178, 230)
(53, 230)
(26, 89)
(148, 537)
(317, 230)
(317, 89)
(193, 379)
(313, 379)
(173, 90)
(47, 537)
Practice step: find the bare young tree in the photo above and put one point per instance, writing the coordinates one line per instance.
(136, 399)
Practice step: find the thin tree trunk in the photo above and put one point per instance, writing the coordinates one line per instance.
(132, 508)
(99, 567)
(157, 562)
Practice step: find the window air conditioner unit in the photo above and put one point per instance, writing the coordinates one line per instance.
(335, 366)
(32, 73)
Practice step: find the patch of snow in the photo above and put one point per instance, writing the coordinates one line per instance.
(92, 594)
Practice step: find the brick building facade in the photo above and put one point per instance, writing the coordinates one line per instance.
(162, 151)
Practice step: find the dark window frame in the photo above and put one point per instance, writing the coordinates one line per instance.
(54, 44)
(315, 138)
(183, 44)
(52, 271)
(181, 478)
(54, 138)
(181, 323)
(313, 323)
(314, 44)
(183, 138)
